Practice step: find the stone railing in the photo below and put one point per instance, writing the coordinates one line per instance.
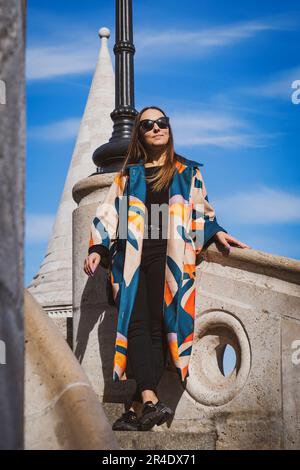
(249, 300)
(62, 410)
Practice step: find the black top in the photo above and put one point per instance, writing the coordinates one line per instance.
(156, 226)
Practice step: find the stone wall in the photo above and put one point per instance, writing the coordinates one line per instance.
(12, 44)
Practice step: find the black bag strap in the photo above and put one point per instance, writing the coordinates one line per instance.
(117, 230)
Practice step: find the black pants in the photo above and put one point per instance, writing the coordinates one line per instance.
(147, 343)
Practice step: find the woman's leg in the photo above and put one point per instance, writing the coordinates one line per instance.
(156, 413)
(155, 286)
(147, 342)
(140, 352)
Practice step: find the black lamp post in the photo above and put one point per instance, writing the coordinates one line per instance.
(109, 156)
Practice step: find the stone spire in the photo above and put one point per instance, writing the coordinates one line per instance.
(52, 286)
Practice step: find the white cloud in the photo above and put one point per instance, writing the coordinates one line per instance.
(261, 206)
(59, 45)
(208, 121)
(38, 227)
(278, 86)
(229, 141)
(56, 131)
(190, 43)
(74, 50)
(51, 61)
(217, 129)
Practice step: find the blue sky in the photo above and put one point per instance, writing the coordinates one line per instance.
(221, 69)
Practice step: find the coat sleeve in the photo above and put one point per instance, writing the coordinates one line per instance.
(204, 220)
(103, 229)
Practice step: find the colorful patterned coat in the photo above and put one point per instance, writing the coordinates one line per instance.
(192, 223)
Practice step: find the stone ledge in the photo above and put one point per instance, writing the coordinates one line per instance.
(259, 262)
(151, 440)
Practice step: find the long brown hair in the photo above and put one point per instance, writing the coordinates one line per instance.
(137, 150)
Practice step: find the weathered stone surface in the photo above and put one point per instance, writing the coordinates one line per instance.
(12, 123)
(62, 410)
(169, 440)
(290, 330)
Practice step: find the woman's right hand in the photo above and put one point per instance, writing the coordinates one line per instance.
(91, 263)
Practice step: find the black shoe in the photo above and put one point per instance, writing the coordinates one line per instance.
(127, 422)
(154, 415)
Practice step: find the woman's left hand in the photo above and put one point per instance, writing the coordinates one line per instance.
(226, 240)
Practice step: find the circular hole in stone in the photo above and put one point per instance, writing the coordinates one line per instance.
(221, 359)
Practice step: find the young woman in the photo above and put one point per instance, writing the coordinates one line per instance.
(154, 267)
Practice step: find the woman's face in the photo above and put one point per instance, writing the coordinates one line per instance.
(157, 137)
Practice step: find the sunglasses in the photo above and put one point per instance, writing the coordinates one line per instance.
(148, 124)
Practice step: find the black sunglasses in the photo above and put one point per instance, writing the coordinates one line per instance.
(148, 124)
